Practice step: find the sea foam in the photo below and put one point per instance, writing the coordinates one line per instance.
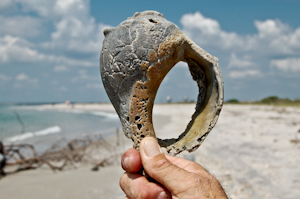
(23, 136)
(105, 114)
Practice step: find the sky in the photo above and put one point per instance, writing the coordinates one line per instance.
(49, 50)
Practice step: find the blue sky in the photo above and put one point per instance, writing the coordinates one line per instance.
(49, 50)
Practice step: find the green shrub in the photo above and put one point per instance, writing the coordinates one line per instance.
(233, 101)
(270, 100)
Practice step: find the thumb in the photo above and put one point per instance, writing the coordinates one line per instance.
(161, 169)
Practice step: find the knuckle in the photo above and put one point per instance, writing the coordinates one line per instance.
(123, 180)
(160, 168)
(149, 192)
(142, 195)
(161, 164)
(145, 194)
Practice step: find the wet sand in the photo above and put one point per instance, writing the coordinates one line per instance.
(253, 151)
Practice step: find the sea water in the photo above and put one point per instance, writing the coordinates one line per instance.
(43, 127)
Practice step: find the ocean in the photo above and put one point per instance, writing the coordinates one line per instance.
(43, 127)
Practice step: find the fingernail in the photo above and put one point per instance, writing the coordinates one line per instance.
(126, 163)
(152, 148)
(162, 195)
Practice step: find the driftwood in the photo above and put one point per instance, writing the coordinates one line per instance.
(57, 158)
(19, 155)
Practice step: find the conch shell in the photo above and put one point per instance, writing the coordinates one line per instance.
(135, 58)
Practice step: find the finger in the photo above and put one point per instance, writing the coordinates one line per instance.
(188, 165)
(131, 161)
(162, 170)
(213, 185)
(137, 186)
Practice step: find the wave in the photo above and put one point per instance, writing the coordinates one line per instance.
(71, 111)
(97, 113)
(105, 114)
(50, 130)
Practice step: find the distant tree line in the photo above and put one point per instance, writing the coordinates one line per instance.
(271, 100)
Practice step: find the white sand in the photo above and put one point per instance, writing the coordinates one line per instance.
(249, 151)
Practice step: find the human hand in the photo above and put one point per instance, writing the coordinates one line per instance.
(175, 177)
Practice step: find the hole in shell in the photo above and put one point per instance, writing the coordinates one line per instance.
(152, 21)
(139, 126)
(175, 102)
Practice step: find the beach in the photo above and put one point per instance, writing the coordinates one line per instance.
(253, 151)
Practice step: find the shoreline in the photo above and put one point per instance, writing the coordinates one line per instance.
(250, 151)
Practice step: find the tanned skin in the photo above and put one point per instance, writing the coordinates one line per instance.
(172, 177)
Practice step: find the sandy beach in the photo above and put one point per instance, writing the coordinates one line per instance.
(253, 151)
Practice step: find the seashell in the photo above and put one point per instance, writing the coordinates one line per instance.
(135, 58)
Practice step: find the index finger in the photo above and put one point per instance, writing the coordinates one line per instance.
(131, 161)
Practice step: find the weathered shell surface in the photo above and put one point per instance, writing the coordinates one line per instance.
(135, 58)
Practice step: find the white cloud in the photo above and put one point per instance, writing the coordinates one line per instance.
(235, 62)
(15, 50)
(271, 29)
(248, 53)
(18, 50)
(5, 4)
(245, 73)
(72, 7)
(94, 86)
(63, 88)
(287, 65)
(198, 21)
(276, 38)
(60, 68)
(22, 77)
(23, 26)
(273, 37)
(294, 39)
(43, 8)
(23, 81)
(72, 61)
(206, 31)
(82, 76)
(75, 33)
